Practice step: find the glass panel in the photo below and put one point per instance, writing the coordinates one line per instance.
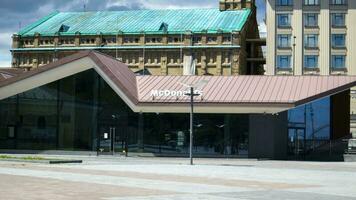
(311, 2)
(338, 19)
(285, 2)
(37, 114)
(296, 142)
(284, 20)
(311, 20)
(77, 111)
(338, 40)
(284, 41)
(338, 61)
(311, 41)
(309, 126)
(284, 61)
(8, 122)
(314, 117)
(338, 2)
(117, 124)
(311, 61)
(59, 115)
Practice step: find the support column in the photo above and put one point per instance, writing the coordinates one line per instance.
(95, 114)
(119, 39)
(36, 41)
(164, 70)
(188, 38)
(235, 69)
(77, 39)
(227, 135)
(204, 38)
(219, 63)
(99, 39)
(140, 142)
(204, 69)
(220, 37)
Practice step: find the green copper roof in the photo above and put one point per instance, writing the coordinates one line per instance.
(138, 21)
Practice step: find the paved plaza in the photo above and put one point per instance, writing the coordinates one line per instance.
(120, 178)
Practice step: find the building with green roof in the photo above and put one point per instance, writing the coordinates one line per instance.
(160, 42)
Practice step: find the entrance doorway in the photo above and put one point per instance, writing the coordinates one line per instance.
(112, 141)
(297, 143)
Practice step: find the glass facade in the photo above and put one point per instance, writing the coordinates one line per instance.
(309, 126)
(54, 116)
(82, 112)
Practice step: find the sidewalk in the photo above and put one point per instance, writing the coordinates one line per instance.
(119, 178)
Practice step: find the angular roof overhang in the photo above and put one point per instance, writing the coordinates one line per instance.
(220, 94)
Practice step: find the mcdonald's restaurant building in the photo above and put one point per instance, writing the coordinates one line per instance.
(92, 102)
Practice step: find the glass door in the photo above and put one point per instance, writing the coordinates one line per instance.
(296, 142)
(107, 135)
(112, 140)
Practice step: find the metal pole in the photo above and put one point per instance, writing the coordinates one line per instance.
(294, 44)
(191, 125)
(113, 139)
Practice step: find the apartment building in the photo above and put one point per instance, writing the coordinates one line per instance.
(311, 37)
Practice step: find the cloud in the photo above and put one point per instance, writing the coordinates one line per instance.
(5, 45)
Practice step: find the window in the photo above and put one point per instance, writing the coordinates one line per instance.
(338, 2)
(284, 2)
(226, 39)
(311, 20)
(283, 20)
(153, 40)
(177, 39)
(284, 61)
(109, 40)
(338, 20)
(87, 41)
(196, 39)
(131, 40)
(338, 61)
(338, 40)
(311, 61)
(212, 39)
(284, 41)
(311, 41)
(311, 2)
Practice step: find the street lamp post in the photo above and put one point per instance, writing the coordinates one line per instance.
(294, 44)
(191, 125)
(191, 94)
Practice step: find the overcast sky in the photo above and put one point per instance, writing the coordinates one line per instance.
(19, 13)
